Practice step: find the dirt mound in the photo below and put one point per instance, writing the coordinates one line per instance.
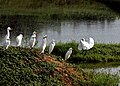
(63, 68)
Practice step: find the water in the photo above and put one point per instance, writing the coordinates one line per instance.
(107, 68)
(64, 31)
(112, 68)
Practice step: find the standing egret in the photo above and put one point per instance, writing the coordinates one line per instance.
(44, 43)
(32, 40)
(84, 45)
(68, 54)
(19, 39)
(7, 43)
(8, 33)
(51, 47)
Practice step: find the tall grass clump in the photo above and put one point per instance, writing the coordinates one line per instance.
(99, 53)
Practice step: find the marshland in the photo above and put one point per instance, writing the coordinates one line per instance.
(67, 22)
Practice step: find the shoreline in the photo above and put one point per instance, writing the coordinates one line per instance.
(99, 53)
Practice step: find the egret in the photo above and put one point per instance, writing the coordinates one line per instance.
(86, 45)
(68, 54)
(44, 43)
(8, 33)
(51, 47)
(32, 40)
(19, 39)
(91, 42)
(7, 43)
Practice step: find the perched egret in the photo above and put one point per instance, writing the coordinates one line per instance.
(68, 54)
(32, 40)
(7, 43)
(19, 39)
(44, 43)
(86, 45)
(51, 47)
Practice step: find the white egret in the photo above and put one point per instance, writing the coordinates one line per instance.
(32, 40)
(8, 33)
(7, 43)
(91, 42)
(68, 54)
(19, 39)
(44, 43)
(51, 47)
(86, 45)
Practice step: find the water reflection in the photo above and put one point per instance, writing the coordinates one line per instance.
(64, 31)
(112, 70)
(107, 68)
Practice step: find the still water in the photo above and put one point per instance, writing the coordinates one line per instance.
(107, 68)
(64, 31)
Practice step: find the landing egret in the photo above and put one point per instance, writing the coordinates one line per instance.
(52, 45)
(86, 45)
(32, 40)
(44, 43)
(7, 43)
(68, 54)
(19, 39)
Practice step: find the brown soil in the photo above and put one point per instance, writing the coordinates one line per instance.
(63, 68)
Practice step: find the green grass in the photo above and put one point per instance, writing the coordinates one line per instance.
(22, 66)
(58, 9)
(99, 53)
(103, 79)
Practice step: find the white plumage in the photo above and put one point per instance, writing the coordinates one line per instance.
(86, 45)
(44, 43)
(51, 47)
(91, 42)
(19, 39)
(8, 33)
(7, 43)
(68, 54)
(32, 40)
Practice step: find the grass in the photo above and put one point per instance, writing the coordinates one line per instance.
(22, 66)
(58, 9)
(99, 53)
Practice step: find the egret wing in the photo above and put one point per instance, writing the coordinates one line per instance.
(91, 42)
